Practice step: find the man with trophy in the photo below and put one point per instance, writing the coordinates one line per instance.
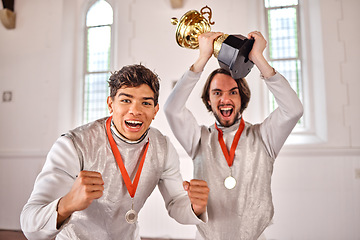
(234, 157)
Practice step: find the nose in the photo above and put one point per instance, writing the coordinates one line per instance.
(135, 109)
(225, 98)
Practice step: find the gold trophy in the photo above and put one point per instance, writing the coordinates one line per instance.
(232, 51)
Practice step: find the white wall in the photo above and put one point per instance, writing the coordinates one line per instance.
(316, 194)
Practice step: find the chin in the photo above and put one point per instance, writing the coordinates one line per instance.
(227, 123)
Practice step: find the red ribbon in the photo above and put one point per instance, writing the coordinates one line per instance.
(131, 187)
(230, 157)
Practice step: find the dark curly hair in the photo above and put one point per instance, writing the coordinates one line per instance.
(134, 76)
(244, 89)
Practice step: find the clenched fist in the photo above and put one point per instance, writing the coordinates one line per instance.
(87, 187)
(198, 192)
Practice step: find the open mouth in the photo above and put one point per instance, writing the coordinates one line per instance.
(226, 111)
(133, 124)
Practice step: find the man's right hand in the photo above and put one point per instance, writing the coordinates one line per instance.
(87, 187)
(206, 47)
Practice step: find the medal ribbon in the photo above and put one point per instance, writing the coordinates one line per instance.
(230, 157)
(131, 187)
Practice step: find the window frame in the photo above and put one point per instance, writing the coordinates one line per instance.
(85, 72)
(300, 81)
(314, 130)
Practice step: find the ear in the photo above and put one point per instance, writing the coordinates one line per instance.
(156, 109)
(109, 103)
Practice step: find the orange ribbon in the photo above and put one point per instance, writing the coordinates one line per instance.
(230, 157)
(131, 187)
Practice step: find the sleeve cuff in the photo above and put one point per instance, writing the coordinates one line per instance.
(262, 76)
(192, 74)
(56, 215)
(203, 218)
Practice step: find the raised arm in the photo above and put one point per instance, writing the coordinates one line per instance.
(206, 49)
(257, 57)
(278, 125)
(181, 120)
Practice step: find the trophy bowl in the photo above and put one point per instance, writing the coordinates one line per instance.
(232, 51)
(189, 27)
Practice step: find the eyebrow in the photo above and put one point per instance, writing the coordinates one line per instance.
(126, 95)
(219, 90)
(131, 96)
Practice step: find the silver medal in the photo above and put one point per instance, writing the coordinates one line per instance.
(131, 216)
(230, 182)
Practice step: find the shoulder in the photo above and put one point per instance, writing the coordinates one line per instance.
(154, 132)
(87, 129)
(157, 137)
(63, 143)
(89, 138)
(161, 146)
(252, 130)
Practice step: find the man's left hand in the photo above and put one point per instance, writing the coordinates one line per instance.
(198, 192)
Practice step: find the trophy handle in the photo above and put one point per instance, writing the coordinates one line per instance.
(209, 12)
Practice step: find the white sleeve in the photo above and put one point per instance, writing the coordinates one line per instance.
(176, 199)
(278, 125)
(181, 120)
(39, 216)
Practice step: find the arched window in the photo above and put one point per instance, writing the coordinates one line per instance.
(283, 28)
(98, 60)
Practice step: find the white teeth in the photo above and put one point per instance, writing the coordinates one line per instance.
(134, 122)
(225, 109)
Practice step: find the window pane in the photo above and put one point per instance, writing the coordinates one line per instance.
(283, 44)
(283, 33)
(99, 21)
(291, 70)
(100, 13)
(96, 91)
(279, 3)
(98, 48)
